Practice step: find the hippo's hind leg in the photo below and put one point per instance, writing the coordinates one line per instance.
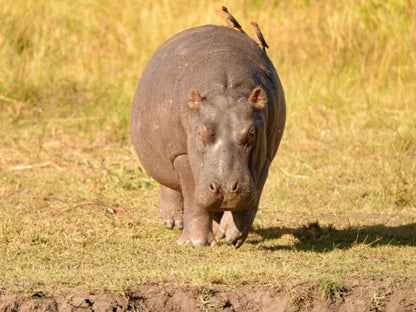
(216, 217)
(171, 208)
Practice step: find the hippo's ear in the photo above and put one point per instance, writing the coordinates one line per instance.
(194, 100)
(258, 98)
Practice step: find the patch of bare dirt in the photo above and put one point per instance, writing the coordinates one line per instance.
(374, 297)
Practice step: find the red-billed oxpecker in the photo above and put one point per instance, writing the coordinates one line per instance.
(259, 36)
(231, 21)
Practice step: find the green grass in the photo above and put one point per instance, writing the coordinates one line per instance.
(331, 290)
(340, 201)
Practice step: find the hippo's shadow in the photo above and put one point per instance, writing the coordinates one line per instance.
(313, 237)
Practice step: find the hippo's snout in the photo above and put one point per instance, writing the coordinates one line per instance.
(232, 187)
(232, 196)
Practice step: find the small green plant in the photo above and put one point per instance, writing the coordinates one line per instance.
(331, 290)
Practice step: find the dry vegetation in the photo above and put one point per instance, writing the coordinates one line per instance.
(76, 209)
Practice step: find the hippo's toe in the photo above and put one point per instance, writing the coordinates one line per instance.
(196, 241)
(179, 224)
(171, 223)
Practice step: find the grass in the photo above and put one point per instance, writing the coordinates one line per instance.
(77, 210)
(331, 290)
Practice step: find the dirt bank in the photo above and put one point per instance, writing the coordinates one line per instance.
(373, 297)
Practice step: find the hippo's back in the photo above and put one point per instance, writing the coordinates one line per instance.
(212, 60)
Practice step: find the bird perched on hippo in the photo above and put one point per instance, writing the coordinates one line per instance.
(230, 20)
(206, 122)
(258, 36)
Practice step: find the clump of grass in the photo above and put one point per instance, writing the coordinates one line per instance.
(313, 231)
(331, 290)
(378, 302)
(204, 296)
(301, 298)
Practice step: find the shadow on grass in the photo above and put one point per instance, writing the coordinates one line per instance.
(313, 237)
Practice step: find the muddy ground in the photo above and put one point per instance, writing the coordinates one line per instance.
(374, 296)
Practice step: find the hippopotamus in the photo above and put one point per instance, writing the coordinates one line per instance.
(206, 122)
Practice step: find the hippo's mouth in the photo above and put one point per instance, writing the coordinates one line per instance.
(240, 203)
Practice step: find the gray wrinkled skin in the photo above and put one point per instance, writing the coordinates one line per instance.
(207, 119)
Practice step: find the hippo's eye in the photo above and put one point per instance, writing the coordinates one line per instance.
(249, 136)
(206, 134)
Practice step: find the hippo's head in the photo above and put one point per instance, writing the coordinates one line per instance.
(223, 135)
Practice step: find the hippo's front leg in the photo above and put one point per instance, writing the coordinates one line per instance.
(197, 228)
(234, 226)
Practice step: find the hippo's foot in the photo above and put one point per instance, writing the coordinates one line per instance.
(234, 226)
(197, 230)
(171, 208)
(197, 240)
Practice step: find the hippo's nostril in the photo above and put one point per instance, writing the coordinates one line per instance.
(213, 186)
(234, 187)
